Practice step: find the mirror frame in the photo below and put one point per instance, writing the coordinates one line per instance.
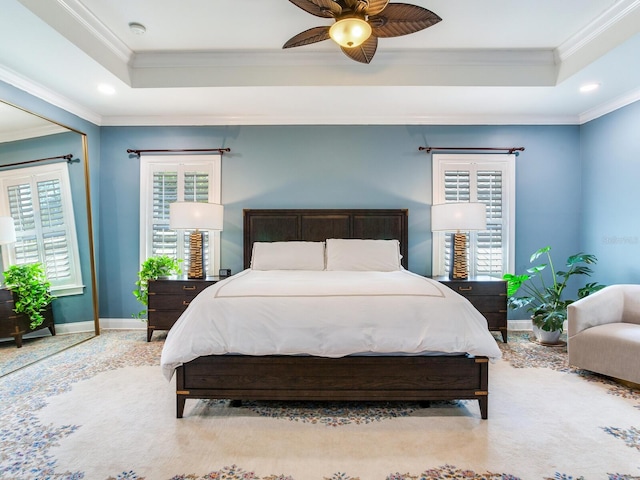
(87, 190)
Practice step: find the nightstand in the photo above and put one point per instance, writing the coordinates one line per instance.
(169, 297)
(16, 325)
(488, 295)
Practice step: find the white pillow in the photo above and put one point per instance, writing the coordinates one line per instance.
(287, 256)
(370, 255)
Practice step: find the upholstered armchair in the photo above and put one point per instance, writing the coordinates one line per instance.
(604, 332)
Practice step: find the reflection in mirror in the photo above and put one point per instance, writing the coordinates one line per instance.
(53, 226)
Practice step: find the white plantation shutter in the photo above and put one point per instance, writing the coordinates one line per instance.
(164, 180)
(489, 179)
(490, 247)
(39, 200)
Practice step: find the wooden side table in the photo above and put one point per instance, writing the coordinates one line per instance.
(16, 325)
(169, 297)
(488, 295)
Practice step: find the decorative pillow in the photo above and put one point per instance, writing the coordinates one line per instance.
(287, 256)
(356, 254)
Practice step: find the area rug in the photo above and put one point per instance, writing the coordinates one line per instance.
(35, 349)
(103, 411)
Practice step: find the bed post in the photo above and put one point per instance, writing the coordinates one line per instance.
(181, 393)
(483, 393)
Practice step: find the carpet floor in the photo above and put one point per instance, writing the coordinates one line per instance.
(103, 411)
(35, 349)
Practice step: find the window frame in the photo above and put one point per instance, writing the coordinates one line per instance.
(149, 164)
(53, 171)
(473, 163)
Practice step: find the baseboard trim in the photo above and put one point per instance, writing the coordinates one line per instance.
(122, 324)
(135, 324)
(519, 325)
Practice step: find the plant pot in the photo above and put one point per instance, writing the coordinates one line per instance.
(547, 338)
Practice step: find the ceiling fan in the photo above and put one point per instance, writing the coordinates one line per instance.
(359, 24)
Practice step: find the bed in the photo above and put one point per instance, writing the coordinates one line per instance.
(304, 369)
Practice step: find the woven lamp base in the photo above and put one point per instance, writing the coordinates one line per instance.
(459, 267)
(196, 240)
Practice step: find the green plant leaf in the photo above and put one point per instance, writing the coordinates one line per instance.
(32, 289)
(547, 304)
(151, 269)
(538, 253)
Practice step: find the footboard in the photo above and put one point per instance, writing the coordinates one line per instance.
(361, 378)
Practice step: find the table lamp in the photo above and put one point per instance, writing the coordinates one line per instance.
(458, 218)
(196, 216)
(7, 231)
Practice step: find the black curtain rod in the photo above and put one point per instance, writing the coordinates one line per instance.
(507, 149)
(68, 157)
(192, 150)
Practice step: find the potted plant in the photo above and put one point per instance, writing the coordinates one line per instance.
(32, 292)
(544, 298)
(151, 269)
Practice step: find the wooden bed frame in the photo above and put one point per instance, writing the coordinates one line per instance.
(353, 378)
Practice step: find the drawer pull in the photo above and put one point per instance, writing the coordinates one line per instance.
(185, 303)
(186, 287)
(465, 289)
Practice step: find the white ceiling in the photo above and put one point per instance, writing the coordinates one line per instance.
(221, 62)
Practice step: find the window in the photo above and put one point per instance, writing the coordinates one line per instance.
(39, 200)
(488, 179)
(164, 180)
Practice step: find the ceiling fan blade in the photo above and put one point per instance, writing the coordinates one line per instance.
(363, 53)
(376, 6)
(313, 35)
(402, 19)
(319, 8)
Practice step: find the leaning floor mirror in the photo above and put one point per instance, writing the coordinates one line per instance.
(45, 201)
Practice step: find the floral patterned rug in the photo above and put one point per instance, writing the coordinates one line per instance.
(87, 412)
(36, 349)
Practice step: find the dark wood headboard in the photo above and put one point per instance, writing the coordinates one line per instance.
(318, 225)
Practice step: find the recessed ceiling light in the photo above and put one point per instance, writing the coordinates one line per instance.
(137, 28)
(589, 87)
(106, 89)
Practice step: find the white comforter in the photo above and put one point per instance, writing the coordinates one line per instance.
(329, 314)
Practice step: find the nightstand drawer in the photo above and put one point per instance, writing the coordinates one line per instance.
(168, 298)
(180, 287)
(169, 301)
(488, 295)
(488, 304)
(477, 288)
(495, 321)
(163, 319)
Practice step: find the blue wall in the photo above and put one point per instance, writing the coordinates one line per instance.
(576, 186)
(335, 167)
(68, 309)
(610, 147)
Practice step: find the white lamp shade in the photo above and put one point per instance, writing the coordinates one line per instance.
(196, 215)
(461, 216)
(7, 230)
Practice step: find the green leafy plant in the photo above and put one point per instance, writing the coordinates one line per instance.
(152, 268)
(32, 289)
(545, 300)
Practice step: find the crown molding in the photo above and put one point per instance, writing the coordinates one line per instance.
(29, 86)
(172, 120)
(445, 67)
(95, 27)
(596, 28)
(615, 104)
(33, 132)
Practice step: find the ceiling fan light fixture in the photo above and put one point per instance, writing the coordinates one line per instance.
(350, 32)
